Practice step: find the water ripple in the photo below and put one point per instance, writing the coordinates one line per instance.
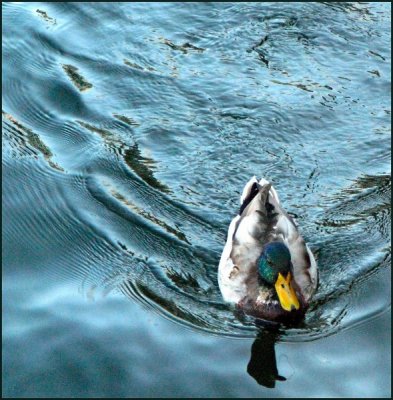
(124, 159)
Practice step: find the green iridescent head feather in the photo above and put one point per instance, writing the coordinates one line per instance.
(275, 258)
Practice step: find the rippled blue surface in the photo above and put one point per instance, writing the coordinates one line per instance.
(129, 131)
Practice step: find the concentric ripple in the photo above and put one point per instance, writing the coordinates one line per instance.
(123, 163)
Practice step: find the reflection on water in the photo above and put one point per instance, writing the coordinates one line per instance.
(263, 365)
(125, 151)
(24, 141)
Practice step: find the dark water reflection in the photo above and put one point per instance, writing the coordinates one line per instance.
(263, 364)
(129, 130)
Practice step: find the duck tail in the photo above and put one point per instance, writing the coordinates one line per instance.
(273, 196)
(248, 189)
(251, 190)
(262, 182)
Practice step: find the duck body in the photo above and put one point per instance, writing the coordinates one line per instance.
(258, 235)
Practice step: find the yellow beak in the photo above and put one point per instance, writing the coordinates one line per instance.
(286, 293)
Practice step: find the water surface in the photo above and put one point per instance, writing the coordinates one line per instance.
(129, 131)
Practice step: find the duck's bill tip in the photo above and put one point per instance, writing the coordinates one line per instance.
(286, 293)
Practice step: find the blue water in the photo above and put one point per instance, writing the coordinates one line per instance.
(129, 131)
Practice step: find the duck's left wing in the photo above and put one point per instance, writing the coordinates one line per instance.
(303, 261)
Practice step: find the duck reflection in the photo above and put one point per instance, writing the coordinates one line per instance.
(263, 365)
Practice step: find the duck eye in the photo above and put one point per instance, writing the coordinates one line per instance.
(282, 285)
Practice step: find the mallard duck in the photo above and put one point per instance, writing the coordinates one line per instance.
(266, 268)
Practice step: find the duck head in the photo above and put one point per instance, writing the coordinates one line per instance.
(274, 267)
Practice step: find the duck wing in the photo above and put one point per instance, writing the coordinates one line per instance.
(247, 234)
(303, 261)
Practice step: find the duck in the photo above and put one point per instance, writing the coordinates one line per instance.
(266, 269)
